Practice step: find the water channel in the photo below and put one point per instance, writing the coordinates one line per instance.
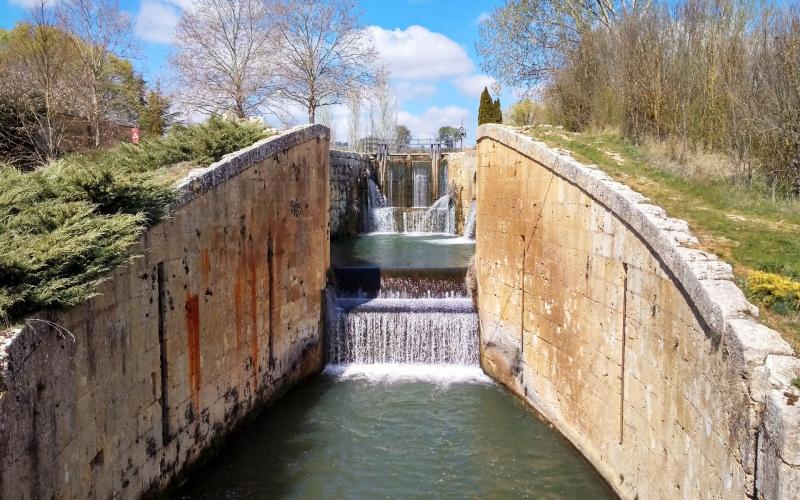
(403, 409)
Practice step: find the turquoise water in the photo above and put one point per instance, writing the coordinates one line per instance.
(373, 433)
(403, 250)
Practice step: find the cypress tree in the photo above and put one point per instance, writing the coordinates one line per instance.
(497, 114)
(486, 108)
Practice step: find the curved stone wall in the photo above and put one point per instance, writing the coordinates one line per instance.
(220, 314)
(597, 310)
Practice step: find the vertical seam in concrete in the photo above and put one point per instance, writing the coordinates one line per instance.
(522, 303)
(622, 361)
(271, 294)
(163, 359)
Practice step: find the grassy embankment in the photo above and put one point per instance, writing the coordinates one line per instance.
(758, 236)
(65, 225)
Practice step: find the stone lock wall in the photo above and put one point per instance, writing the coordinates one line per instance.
(349, 173)
(462, 174)
(597, 310)
(220, 314)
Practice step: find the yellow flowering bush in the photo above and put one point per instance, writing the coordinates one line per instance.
(770, 288)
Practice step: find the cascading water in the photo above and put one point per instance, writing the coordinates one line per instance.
(438, 218)
(375, 198)
(406, 331)
(421, 185)
(411, 313)
(469, 223)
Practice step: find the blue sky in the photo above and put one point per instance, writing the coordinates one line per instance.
(429, 45)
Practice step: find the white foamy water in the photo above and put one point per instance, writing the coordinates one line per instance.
(389, 373)
(461, 240)
(405, 331)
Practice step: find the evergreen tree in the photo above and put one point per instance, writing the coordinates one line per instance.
(486, 108)
(155, 116)
(497, 115)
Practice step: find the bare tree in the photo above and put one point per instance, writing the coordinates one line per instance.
(37, 84)
(325, 116)
(223, 57)
(354, 102)
(383, 111)
(524, 41)
(101, 33)
(325, 53)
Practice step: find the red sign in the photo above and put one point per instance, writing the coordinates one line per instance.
(135, 135)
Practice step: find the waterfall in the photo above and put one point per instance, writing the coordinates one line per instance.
(469, 223)
(421, 185)
(375, 198)
(438, 218)
(416, 331)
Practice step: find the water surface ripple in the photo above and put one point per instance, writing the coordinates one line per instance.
(372, 431)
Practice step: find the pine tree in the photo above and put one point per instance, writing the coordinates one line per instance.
(497, 115)
(155, 116)
(486, 108)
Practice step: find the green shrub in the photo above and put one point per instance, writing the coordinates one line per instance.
(63, 227)
(775, 291)
(201, 145)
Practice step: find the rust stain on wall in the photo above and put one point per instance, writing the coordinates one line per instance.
(238, 306)
(193, 337)
(252, 264)
(205, 266)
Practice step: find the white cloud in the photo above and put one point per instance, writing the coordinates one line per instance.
(183, 4)
(472, 85)
(427, 124)
(483, 17)
(156, 21)
(407, 91)
(417, 53)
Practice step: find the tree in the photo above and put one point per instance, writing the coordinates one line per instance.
(155, 115)
(383, 111)
(101, 34)
(326, 118)
(448, 136)
(524, 41)
(354, 119)
(224, 57)
(522, 113)
(485, 108)
(38, 88)
(325, 53)
(497, 115)
(402, 136)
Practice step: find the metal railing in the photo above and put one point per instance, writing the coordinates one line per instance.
(420, 146)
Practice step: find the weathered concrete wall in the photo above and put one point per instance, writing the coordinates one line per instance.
(462, 174)
(221, 313)
(596, 310)
(349, 172)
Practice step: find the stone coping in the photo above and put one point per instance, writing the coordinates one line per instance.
(201, 180)
(759, 354)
